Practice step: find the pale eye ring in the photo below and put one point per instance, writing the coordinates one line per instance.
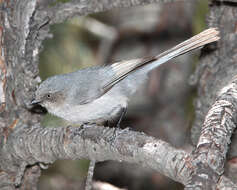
(48, 95)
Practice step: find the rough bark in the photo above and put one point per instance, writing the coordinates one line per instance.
(210, 154)
(23, 26)
(218, 68)
(213, 73)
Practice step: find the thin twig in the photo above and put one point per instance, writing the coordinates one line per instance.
(89, 179)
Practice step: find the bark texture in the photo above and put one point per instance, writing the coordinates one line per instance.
(216, 69)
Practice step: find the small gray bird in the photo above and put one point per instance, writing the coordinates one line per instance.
(101, 93)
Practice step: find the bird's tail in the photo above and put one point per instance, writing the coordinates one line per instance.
(143, 65)
(197, 41)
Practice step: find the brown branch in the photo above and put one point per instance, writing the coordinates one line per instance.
(210, 153)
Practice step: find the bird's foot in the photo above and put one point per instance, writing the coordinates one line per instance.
(117, 127)
(113, 137)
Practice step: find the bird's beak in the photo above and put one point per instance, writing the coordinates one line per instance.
(34, 101)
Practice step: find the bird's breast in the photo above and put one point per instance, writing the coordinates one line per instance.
(102, 109)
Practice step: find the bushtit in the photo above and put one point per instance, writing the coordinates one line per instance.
(101, 93)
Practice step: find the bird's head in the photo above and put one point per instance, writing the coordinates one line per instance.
(51, 93)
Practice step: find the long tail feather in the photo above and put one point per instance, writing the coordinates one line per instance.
(123, 68)
(197, 41)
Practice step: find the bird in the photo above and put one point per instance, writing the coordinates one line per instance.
(99, 94)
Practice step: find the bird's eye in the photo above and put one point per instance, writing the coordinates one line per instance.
(48, 95)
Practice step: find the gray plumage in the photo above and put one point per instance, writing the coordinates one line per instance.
(98, 94)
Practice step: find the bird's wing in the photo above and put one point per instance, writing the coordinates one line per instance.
(122, 69)
(100, 80)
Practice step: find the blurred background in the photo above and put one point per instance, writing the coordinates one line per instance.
(162, 108)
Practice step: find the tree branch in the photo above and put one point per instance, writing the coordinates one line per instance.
(210, 153)
(90, 173)
(218, 68)
(35, 144)
(62, 11)
(220, 121)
